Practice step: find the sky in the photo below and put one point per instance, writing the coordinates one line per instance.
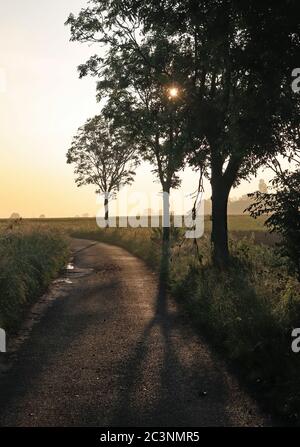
(42, 103)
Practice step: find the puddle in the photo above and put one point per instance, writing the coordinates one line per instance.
(70, 266)
(63, 281)
(70, 271)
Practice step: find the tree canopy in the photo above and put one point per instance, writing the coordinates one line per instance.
(232, 61)
(103, 157)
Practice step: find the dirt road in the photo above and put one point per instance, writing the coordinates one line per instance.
(113, 351)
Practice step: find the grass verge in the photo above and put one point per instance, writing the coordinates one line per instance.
(29, 260)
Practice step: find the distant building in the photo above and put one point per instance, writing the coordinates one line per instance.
(262, 186)
(235, 206)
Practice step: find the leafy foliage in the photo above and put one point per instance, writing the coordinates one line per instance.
(102, 156)
(283, 210)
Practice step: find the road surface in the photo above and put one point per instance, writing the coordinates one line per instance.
(113, 351)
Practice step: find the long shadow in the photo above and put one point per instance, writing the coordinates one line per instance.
(170, 405)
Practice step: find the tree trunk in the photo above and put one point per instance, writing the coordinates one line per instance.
(165, 254)
(106, 210)
(166, 215)
(219, 234)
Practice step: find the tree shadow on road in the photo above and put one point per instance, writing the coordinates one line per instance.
(177, 383)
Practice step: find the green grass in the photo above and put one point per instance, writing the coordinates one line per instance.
(29, 259)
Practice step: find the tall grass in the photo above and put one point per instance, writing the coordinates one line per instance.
(248, 312)
(29, 260)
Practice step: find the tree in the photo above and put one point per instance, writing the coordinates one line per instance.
(151, 113)
(103, 157)
(282, 208)
(236, 77)
(15, 216)
(238, 83)
(145, 102)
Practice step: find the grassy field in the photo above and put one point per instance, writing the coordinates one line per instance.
(235, 223)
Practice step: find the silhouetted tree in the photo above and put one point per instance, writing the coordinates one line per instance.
(102, 157)
(142, 100)
(152, 114)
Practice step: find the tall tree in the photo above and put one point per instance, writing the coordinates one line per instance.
(103, 157)
(152, 115)
(237, 57)
(140, 95)
(233, 59)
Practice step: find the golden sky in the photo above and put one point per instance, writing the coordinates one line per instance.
(42, 103)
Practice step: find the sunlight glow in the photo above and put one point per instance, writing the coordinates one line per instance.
(173, 92)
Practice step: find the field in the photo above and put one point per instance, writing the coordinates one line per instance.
(235, 223)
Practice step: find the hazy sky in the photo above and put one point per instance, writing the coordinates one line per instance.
(42, 103)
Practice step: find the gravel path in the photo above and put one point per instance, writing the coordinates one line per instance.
(113, 351)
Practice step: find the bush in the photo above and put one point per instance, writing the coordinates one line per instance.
(282, 209)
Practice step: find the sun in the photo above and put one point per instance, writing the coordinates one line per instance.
(173, 92)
